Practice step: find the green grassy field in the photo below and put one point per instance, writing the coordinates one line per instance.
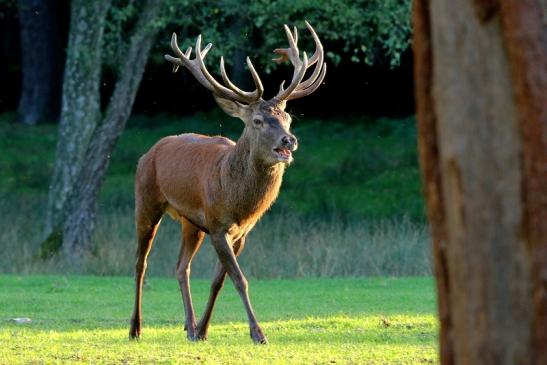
(82, 319)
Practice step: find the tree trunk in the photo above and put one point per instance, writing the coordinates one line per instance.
(80, 223)
(481, 92)
(80, 111)
(42, 61)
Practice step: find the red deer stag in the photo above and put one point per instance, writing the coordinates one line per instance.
(213, 185)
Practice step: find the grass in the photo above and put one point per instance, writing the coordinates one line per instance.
(280, 246)
(82, 319)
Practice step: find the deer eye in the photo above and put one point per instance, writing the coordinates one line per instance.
(257, 122)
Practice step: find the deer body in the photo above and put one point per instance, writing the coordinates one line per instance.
(212, 182)
(215, 186)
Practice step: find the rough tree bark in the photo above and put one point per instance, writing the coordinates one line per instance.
(85, 140)
(42, 61)
(481, 98)
(80, 222)
(80, 110)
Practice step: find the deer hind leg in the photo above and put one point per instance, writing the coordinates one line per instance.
(192, 238)
(148, 221)
(216, 286)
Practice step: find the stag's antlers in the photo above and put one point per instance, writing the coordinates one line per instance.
(200, 72)
(296, 89)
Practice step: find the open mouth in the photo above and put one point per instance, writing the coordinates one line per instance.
(283, 154)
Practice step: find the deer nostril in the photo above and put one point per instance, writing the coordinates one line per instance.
(285, 141)
(288, 141)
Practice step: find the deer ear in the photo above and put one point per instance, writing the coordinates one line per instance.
(232, 108)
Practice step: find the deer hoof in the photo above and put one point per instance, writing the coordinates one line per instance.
(201, 333)
(134, 334)
(258, 337)
(198, 337)
(260, 341)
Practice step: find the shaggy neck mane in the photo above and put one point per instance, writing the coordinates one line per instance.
(253, 185)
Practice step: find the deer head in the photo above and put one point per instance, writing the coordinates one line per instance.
(267, 125)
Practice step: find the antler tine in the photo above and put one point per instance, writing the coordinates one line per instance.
(175, 46)
(217, 87)
(318, 46)
(177, 62)
(292, 41)
(254, 95)
(299, 93)
(183, 59)
(293, 54)
(299, 71)
(256, 78)
(316, 58)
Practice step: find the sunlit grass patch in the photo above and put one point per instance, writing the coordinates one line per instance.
(410, 339)
(322, 321)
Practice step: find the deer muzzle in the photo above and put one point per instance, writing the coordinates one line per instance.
(287, 145)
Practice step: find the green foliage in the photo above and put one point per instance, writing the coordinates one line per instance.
(358, 169)
(363, 31)
(121, 25)
(342, 321)
(120, 17)
(26, 160)
(350, 204)
(353, 168)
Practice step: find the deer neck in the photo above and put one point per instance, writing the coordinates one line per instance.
(253, 186)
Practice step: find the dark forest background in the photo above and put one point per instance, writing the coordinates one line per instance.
(85, 91)
(354, 88)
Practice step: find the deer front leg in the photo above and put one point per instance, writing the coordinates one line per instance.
(228, 259)
(216, 286)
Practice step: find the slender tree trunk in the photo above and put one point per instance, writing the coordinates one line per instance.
(481, 92)
(80, 111)
(80, 223)
(42, 61)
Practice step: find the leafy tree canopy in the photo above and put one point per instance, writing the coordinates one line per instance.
(360, 31)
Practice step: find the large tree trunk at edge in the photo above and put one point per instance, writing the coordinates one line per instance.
(42, 61)
(481, 97)
(79, 175)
